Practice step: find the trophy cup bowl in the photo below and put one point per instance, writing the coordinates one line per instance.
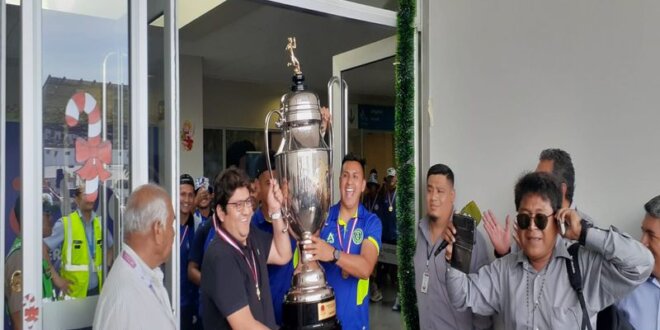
(310, 303)
(303, 162)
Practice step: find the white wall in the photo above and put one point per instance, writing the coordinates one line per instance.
(510, 78)
(232, 104)
(191, 89)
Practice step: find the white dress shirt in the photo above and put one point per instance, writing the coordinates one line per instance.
(133, 297)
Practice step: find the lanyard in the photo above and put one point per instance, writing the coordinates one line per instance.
(133, 264)
(253, 265)
(390, 201)
(185, 231)
(341, 239)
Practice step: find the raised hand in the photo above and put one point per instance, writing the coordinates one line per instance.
(499, 237)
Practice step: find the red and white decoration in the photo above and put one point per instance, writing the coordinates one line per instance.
(91, 152)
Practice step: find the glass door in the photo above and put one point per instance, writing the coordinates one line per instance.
(73, 143)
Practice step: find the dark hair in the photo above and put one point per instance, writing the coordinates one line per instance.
(652, 207)
(351, 157)
(226, 183)
(441, 169)
(237, 150)
(562, 167)
(262, 165)
(537, 183)
(187, 179)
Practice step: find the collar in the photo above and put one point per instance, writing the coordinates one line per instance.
(260, 217)
(560, 251)
(247, 240)
(190, 222)
(654, 281)
(155, 274)
(425, 227)
(344, 223)
(81, 216)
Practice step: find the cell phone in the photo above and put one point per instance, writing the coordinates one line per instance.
(562, 226)
(461, 256)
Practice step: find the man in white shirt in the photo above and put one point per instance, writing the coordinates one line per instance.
(134, 296)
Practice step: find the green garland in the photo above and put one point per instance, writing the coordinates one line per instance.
(405, 153)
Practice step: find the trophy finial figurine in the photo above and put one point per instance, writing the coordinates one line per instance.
(294, 60)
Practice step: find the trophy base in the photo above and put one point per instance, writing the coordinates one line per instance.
(319, 315)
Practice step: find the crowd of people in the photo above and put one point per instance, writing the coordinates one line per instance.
(554, 266)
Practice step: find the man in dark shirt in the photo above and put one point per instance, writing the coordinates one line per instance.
(235, 288)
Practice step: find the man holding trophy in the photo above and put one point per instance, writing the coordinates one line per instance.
(348, 247)
(235, 288)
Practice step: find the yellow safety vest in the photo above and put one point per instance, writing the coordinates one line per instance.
(76, 256)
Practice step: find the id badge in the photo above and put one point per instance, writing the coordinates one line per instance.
(425, 283)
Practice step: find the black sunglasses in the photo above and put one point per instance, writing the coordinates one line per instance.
(524, 220)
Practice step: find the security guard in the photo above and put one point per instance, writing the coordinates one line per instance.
(14, 268)
(80, 236)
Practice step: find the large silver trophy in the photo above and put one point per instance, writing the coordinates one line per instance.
(304, 162)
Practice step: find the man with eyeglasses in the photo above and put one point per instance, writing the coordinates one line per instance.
(530, 288)
(435, 310)
(235, 289)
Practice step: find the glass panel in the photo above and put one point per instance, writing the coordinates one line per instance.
(11, 138)
(213, 152)
(156, 71)
(371, 113)
(86, 140)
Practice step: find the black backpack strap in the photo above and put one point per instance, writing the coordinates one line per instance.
(575, 278)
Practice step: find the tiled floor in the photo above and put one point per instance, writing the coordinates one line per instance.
(381, 315)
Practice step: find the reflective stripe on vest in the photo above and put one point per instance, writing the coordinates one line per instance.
(75, 262)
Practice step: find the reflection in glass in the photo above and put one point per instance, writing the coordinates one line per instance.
(85, 137)
(12, 212)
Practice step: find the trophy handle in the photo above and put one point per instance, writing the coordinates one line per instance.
(267, 155)
(270, 113)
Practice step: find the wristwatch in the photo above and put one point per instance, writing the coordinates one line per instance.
(583, 232)
(276, 216)
(335, 256)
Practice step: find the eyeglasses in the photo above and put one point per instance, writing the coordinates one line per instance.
(524, 220)
(240, 205)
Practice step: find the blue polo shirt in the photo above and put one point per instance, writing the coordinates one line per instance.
(351, 294)
(189, 292)
(279, 277)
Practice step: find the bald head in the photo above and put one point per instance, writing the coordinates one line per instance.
(147, 204)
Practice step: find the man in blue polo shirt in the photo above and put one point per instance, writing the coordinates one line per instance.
(187, 226)
(348, 247)
(279, 276)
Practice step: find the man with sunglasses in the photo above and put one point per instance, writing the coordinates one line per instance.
(435, 311)
(235, 289)
(530, 288)
(555, 161)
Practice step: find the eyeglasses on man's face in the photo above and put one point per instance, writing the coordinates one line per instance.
(524, 220)
(241, 205)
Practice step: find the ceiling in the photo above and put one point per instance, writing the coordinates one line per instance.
(245, 41)
(242, 40)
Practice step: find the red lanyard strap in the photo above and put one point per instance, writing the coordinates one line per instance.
(253, 266)
(341, 239)
(185, 231)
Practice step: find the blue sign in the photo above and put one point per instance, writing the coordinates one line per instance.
(376, 117)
